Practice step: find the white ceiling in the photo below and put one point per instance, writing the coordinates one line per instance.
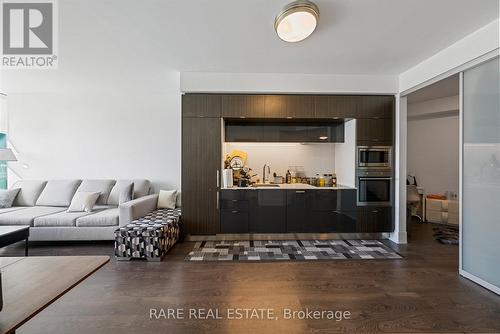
(353, 36)
(443, 88)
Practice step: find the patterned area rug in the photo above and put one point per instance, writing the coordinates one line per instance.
(290, 250)
(447, 235)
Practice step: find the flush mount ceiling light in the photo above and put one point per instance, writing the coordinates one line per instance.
(296, 21)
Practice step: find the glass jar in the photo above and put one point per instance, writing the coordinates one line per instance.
(322, 181)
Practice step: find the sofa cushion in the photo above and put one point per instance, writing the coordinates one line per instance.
(167, 199)
(58, 193)
(83, 201)
(107, 217)
(141, 189)
(122, 189)
(59, 219)
(29, 193)
(14, 208)
(7, 197)
(103, 207)
(101, 186)
(26, 216)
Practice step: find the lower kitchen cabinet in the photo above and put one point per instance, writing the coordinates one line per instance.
(234, 221)
(267, 211)
(332, 222)
(300, 211)
(254, 211)
(374, 219)
(321, 211)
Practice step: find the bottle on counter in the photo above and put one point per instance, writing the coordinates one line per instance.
(288, 177)
(334, 180)
(328, 180)
(322, 181)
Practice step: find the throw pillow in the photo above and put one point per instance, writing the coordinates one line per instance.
(126, 193)
(166, 199)
(83, 201)
(7, 197)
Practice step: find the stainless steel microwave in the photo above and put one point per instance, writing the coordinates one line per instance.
(379, 157)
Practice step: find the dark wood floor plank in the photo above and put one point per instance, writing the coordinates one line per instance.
(421, 293)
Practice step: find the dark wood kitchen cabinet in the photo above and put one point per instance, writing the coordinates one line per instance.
(321, 211)
(336, 106)
(284, 132)
(243, 106)
(375, 122)
(333, 221)
(373, 219)
(267, 211)
(253, 210)
(201, 105)
(201, 163)
(333, 211)
(376, 106)
(298, 210)
(235, 211)
(289, 106)
(372, 132)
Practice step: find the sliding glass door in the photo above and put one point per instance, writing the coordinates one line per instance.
(480, 172)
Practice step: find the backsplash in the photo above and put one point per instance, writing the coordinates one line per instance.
(315, 158)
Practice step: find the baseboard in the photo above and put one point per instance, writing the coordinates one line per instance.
(399, 237)
(286, 236)
(480, 281)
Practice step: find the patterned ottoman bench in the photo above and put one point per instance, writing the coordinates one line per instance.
(149, 237)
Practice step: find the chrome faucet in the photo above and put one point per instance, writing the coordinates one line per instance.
(264, 178)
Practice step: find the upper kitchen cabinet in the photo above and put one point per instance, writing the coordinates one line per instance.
(243, 106)
(201, 105)
(373, 132)
(376, 106)
(284, 132)
(336, 106)
(289, 106)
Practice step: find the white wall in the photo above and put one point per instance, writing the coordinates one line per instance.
(479, 43)
(288, 83)
(316, 158)
(433, 153)
(433, 144)
(110, 110)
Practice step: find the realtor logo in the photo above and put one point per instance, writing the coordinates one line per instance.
(29, 38)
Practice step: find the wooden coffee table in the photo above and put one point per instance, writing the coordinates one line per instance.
(30, 284)
(13, 234)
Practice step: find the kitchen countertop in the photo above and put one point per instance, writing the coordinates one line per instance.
(293, 186)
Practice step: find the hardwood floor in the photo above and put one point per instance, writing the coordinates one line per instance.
(420, 293)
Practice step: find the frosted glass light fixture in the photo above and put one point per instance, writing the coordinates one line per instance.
(296, 21)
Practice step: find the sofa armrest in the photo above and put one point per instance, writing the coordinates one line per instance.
(137, 208)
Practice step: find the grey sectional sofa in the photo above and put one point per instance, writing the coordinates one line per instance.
(43, 206)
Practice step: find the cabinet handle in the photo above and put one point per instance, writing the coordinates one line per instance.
(234, 200)
(375, 211)
(217, 200)
(218, 178)
(300, 191)
(234, 211)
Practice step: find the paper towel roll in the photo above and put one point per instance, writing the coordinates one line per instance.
(227, 178)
